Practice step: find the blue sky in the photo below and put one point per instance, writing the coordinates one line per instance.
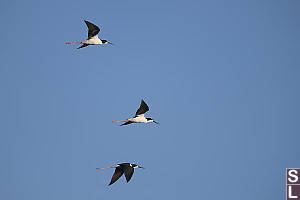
(222, 78)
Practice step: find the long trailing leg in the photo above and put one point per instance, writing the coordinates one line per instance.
(107, 167)
(121, 120)
(76, 42)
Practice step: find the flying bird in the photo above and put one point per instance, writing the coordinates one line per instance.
(93, 38)
(139, 116)
(124, 168)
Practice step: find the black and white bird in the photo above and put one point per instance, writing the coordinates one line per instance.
(139, 116)
(123, 168)
(93, 38)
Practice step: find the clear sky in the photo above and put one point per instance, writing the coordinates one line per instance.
(222, 78)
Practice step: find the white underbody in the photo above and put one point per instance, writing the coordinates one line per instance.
(138, 119)
(93, 40)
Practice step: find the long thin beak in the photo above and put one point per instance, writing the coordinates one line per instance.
(142, 167)
(155, 122)
(110, 43)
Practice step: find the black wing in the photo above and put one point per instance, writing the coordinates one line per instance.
(93, 29)
(126, 123)
(84, 45)
(118, 173)
(142, 109)
(128, 171)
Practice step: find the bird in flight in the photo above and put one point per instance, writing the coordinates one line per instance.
(93, 38)
(139, 116)
(123, 168)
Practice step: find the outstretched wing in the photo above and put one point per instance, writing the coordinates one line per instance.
(142, 109)
(128, 171)
(84, 45)
(118, 173)
(93, 29)
(126, 123)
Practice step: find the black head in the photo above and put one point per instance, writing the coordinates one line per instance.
(136, 166)
(151, 120)
(106, 42)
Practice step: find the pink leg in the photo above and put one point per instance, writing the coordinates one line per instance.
(107, 167)
(122, 121)
(83, 42)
